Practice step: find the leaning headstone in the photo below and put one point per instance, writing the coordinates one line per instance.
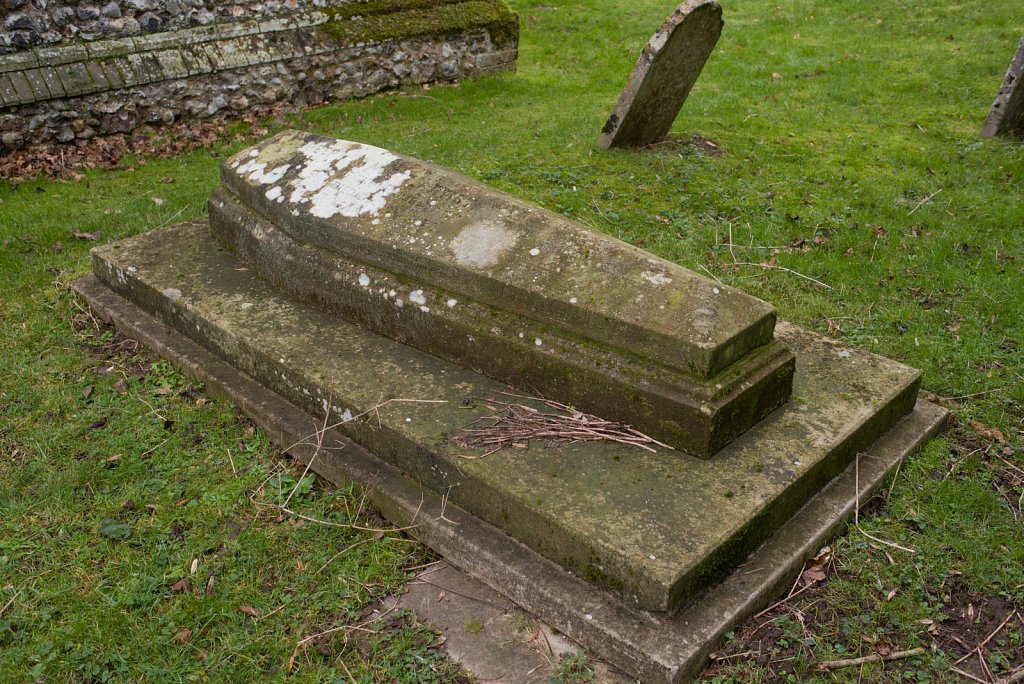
(663, 76)
(1007, 114)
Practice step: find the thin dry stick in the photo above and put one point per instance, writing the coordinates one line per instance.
(518, 424)
(332, 630)
(776, 267)
(1016, 676)
(342, 552)
(968, 675)
(925, 201)
(873, 658)
(982, 645)
(856, 511)
(232, 462)
(8, 604)
(369, 410)
(316, 452)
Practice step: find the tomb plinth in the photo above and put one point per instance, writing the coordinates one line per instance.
(339, 280)
(435, 260)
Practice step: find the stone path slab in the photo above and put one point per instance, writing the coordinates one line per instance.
(663, 76)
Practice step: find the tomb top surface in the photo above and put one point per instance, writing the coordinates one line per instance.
(415, 219)
(654, 526)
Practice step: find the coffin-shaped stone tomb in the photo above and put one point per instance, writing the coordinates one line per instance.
(442, 263)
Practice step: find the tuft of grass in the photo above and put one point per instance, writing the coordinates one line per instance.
(858, 165)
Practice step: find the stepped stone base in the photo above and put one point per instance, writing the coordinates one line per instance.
(189, 287)
(653, 528)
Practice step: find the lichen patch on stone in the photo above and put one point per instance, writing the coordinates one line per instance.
(340, 177)
(482, 244)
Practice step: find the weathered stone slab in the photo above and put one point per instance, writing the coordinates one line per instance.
(697, 417)
(656, 528)
(470, 274)
(1006, 117)
(663, 76)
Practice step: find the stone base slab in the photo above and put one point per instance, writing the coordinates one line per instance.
(654, 527)
(656, 648)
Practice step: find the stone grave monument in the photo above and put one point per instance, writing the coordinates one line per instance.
(1006, 117)
(398, 299)
(663, 76)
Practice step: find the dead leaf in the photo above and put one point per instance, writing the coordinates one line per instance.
(157, 201)
(796, 36)
(812, 576)
(87, 236)
(183, 635)
(776, 75)
(989, 433)
(181, 585)
(249, 610)
(87, 392)
(168, 180)
(58, 247)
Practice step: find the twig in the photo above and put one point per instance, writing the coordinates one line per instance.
(704, 268)
(776, 267)
(968, 675)
(360, 415)
(8, 604)
(518, 424)
(856, 511)
(925, 201)
(873, 658)
(1015, 676)
(232, 462)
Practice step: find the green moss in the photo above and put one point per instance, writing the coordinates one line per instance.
(379, 20)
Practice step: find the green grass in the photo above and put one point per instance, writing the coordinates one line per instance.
(877, 106)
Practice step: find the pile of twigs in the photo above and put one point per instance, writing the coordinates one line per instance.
(515, 425)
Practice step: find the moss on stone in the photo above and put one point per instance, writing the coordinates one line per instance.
(379, 20)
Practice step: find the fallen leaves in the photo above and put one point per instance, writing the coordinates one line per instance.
(62, 161)
(987, 433)
(93, 237)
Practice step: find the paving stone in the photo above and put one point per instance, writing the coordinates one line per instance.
(1006, 116)
(663, 76)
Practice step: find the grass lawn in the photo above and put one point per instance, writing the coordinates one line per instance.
(834, 140)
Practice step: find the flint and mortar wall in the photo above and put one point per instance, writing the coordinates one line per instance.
(73, 70)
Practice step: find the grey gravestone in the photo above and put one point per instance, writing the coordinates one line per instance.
(663, 76)
(1007, 114)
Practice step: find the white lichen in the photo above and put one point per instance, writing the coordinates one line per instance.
(349, 179)
(655, 278)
